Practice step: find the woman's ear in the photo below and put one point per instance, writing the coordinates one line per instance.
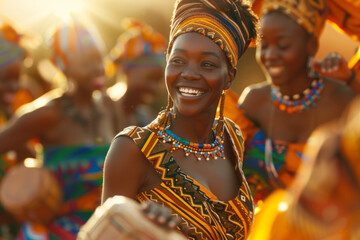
(312, 46)
(230, 78)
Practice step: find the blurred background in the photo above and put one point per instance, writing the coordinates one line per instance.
(37, 16)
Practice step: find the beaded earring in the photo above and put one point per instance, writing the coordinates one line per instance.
(164, 117)
(220, 125)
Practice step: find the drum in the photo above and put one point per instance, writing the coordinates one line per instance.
(31, 194)
(122, 218)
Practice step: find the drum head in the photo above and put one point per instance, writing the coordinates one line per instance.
(21, 185)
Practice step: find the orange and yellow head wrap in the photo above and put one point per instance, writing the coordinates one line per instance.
(229, 23)
(10, 49)
(310, 14)
(139, 45)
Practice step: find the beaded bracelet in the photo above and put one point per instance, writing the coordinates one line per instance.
(352, 78)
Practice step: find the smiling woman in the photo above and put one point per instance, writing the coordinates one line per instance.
(186, 160)
(278, 116)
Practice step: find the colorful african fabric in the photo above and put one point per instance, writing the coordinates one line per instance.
(323, 201)
(285, 157)
(68, 40)
(10, 49)
(139, 45)
(345, 15)
(79, 172)
(311, 14)
(201, 213)
(221, 21)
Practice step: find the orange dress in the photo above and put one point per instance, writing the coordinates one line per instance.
(201, 213)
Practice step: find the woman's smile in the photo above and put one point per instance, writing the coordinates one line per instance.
(190, 92)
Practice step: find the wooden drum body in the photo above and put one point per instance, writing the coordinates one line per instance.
(122, 218)
(31, 194)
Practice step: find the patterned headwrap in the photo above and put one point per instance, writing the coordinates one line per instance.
(220, 20)
(139, 45)
(68, 40)
(10, 49)
(311, 14)
(345, 14)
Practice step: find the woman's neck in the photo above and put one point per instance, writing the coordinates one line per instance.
(295, 86)
(194, 129)
(81, 98)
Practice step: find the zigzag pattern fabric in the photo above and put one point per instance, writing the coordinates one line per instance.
(201, 213)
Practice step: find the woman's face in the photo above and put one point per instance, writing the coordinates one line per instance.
(9, 83)
(143, 83)
(86, 69)
(196, 74)
(283, 50)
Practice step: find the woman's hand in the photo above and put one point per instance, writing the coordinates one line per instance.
(160, 215)
(334, 66)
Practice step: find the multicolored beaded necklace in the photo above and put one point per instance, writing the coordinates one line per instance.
(298, 102)
(200, 150)
(205, 150)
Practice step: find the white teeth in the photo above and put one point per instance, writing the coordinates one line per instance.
(190, 91)
(275, 70)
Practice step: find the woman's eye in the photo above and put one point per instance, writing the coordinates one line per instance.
(283, 46)
(208, 65)
(177, 61)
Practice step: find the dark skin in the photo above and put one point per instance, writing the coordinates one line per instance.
(335, 66)
(283, 53)
(195, 63)
(49, 122)
(143, 83)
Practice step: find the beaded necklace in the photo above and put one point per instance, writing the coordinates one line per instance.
(200, 150)
(298, 102)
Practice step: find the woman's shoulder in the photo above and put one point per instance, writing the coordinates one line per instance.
(47, 108)
(254, 94)
(338, 92)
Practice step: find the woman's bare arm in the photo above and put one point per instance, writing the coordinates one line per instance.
(124, 169)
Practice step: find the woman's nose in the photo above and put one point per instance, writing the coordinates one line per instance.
(190, 71)
(270, 53)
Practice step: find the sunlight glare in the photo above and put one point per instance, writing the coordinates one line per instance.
(65, 8)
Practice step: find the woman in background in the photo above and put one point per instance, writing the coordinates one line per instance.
(278, 116)
(139, 57)
(74, 127)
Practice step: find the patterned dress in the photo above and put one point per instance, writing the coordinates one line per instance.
(78, 169)
(282, 161)
(201, 213)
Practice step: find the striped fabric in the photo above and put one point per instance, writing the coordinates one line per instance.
(79, 172)
(68, 40)
(202, 215)
(220, 20)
